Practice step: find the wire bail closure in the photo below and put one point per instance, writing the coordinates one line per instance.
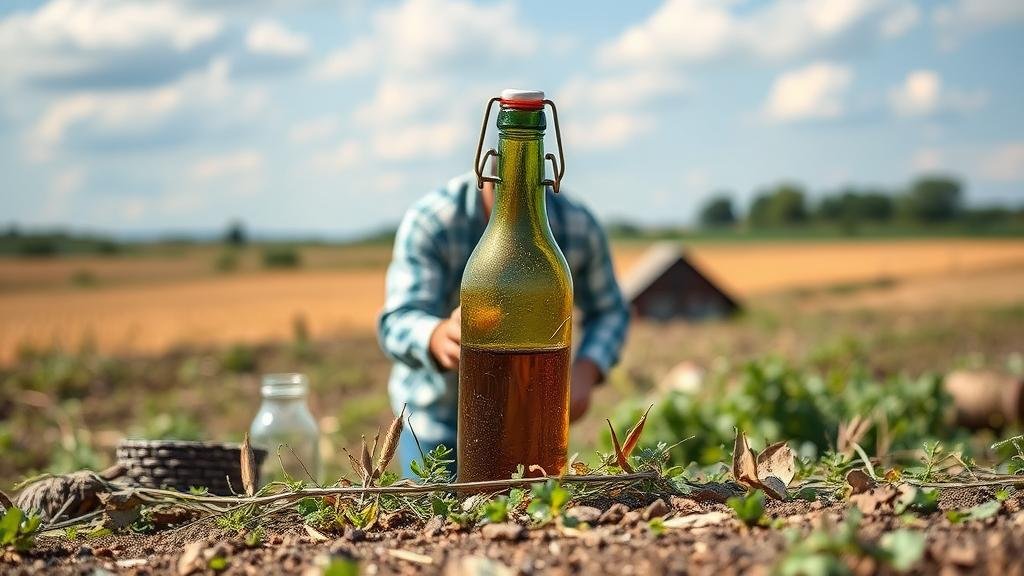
(557, 165)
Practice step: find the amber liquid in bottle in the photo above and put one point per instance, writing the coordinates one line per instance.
(515, 402)
(516, 321)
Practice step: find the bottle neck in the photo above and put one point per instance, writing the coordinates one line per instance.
(519, 198)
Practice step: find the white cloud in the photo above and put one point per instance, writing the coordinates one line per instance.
(75, 38)
(241, 163)
(608, 131)
(813, 92)
(927, 160)
(399, 98)
(683, 31)
(314, 130)
(353, 60)
(418, 141)
(900, 20)
(629, 90)
(339, 159)
(918, 95)
(962, 17)
(922, 94)
(1004, 163)
(199, 102)
(421, 36)
(271, 38)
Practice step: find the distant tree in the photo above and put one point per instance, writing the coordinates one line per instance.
(235, 234)
(934, 199)
(622, 228)
(718, 212)
(785, 205)
(853, 206)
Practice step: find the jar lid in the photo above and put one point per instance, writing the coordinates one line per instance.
(287, 385)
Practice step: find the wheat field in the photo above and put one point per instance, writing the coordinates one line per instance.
(151, 304)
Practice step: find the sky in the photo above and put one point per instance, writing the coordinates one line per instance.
(330, 118)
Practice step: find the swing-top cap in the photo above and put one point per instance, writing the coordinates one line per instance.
(522, 99)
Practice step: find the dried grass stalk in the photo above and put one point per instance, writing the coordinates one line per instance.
(248, 467)
(390, 444)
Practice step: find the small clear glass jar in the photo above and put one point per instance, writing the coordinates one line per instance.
(284, 420)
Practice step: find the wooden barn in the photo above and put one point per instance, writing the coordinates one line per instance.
(664, 285)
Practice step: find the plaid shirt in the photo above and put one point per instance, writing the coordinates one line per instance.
(433, 244)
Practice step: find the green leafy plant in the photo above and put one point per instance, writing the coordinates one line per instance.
(435, 466)
(18, 530)
(823, 552)
(979, 512)
(749, 508)
(240, 518)
(548, 501)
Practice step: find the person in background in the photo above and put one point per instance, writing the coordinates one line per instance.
(420, 325)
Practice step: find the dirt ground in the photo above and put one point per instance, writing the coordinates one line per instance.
(619, 541)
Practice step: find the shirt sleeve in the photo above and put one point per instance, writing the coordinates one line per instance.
(414, 302)
(605, 316)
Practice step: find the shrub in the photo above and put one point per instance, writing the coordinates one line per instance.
(281, 257)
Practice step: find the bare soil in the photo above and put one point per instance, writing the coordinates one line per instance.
(623, 545)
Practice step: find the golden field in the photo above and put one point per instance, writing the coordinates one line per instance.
(148, 303)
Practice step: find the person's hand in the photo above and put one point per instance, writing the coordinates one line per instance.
(446, 341)
(585, 375)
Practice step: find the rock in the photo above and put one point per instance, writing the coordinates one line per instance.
(656, 509)
(614, 514)
(631, 518)
(84, 551)
(587, 514)
(434, 526)
(476, 566)
(504, 531)
(190, 562)
(355, 535)
(103, 552)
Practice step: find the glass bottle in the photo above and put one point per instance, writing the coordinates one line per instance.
(284, 421)
(516, 302)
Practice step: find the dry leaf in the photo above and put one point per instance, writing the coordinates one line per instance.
(620, 457)
(774, 487)
(391, 440)
(580, 468)
(366, 463)
(779, 461)
(248, 467)
(409, 556)
(5, 501)
(634, 435)
(315, 534)
(860, 482)
(697, 520)
(744, 461)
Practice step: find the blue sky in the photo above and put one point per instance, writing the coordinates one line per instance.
(331, 117)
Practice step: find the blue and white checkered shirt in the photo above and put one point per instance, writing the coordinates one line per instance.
(433, 244)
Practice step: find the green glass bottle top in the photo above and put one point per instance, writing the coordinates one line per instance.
(517, 305)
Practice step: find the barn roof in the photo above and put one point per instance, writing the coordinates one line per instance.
(658, 260)
(655, 261)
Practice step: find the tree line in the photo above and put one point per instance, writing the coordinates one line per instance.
(926, 201)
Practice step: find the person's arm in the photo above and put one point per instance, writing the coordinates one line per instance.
(414, 307)
(604, 322)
